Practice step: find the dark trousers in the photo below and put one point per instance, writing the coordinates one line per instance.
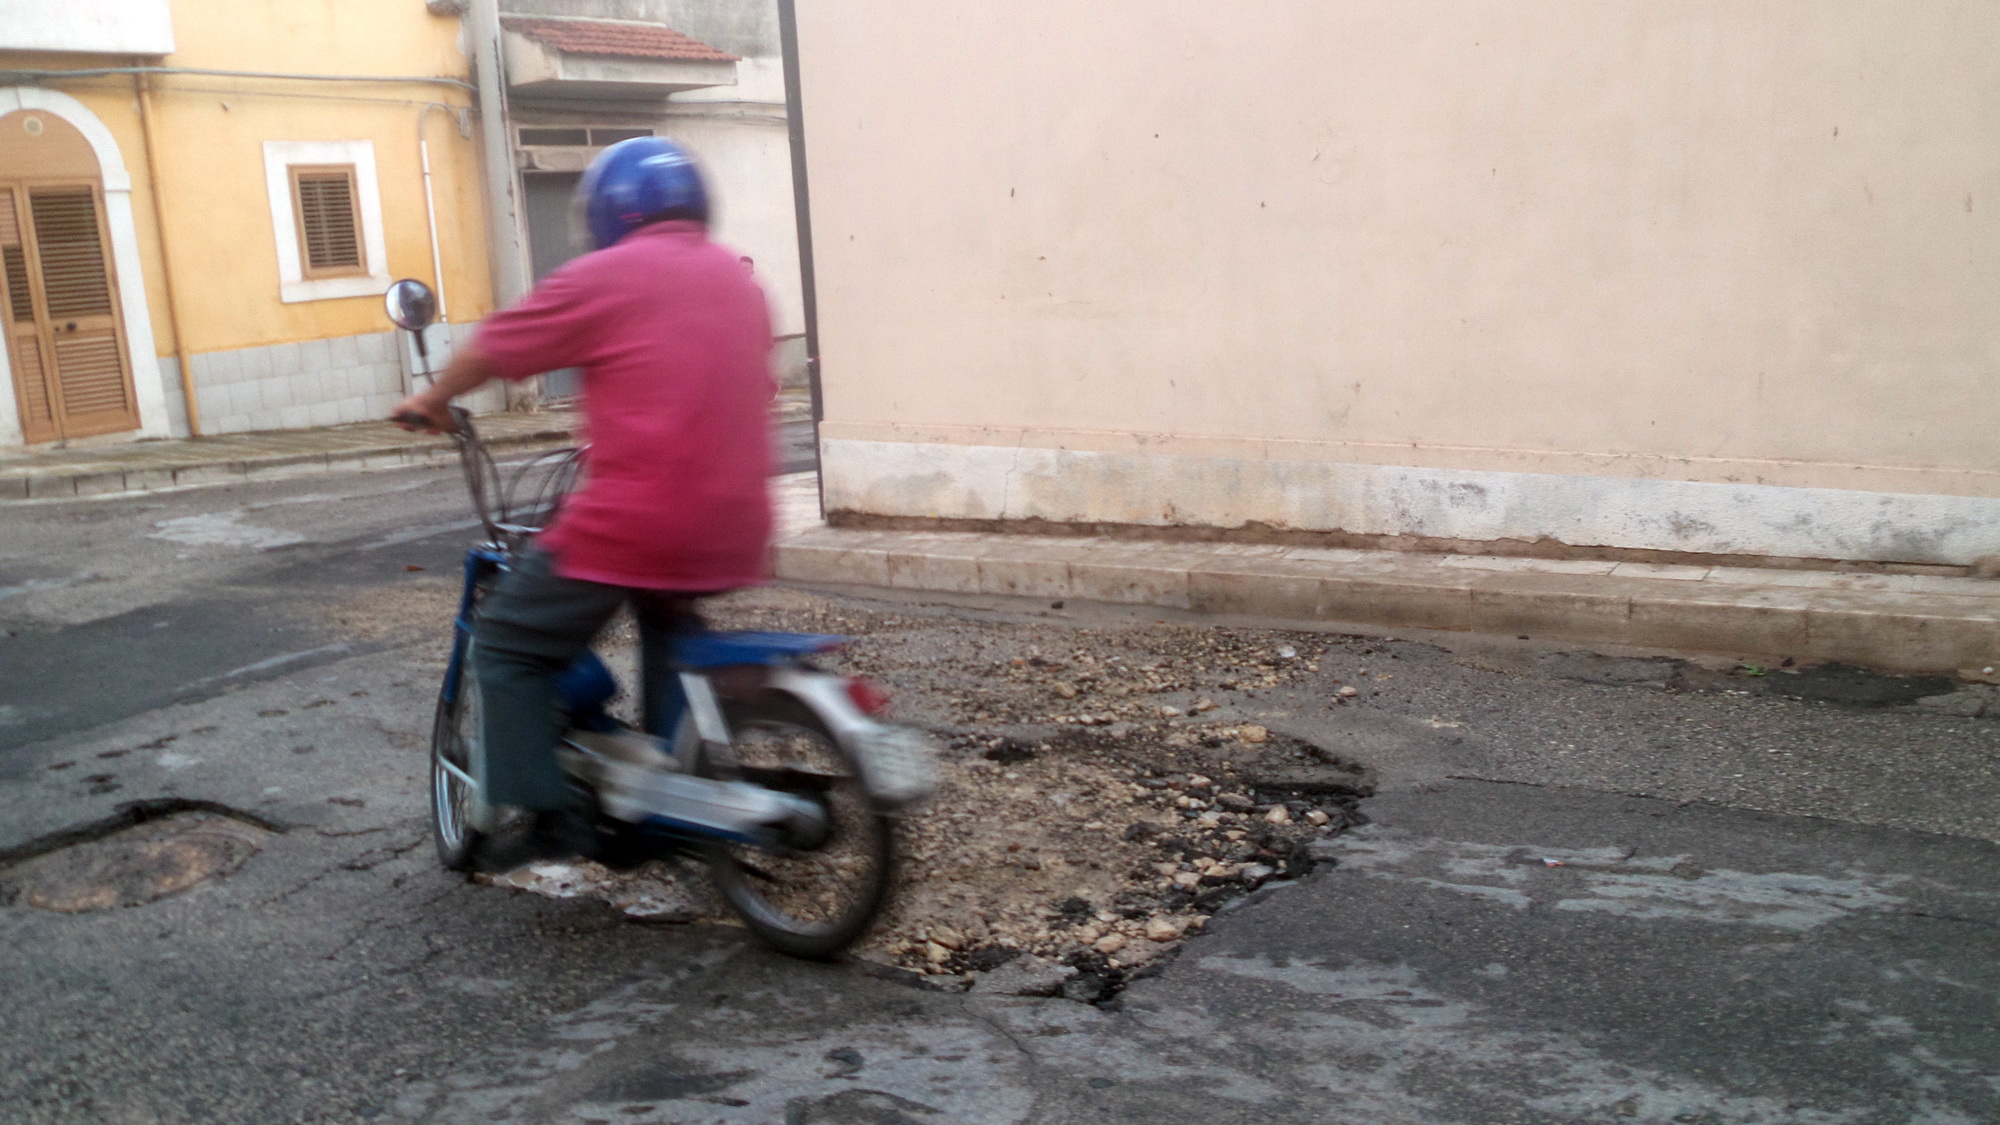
(530, 628)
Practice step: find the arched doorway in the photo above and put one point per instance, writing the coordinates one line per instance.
(65, 331)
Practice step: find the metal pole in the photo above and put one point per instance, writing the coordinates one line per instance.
(12, 76)
(795, 126)
(503, 197)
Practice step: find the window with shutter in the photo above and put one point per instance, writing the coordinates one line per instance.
(328, 210)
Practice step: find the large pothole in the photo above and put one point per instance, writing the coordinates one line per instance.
(133, 866)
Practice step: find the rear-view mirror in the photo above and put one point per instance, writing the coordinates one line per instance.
(411, 304)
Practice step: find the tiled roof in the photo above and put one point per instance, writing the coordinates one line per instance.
(616, 37)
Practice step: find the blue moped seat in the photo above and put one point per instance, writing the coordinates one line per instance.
(717, 650)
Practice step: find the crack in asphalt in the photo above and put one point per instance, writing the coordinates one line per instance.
(1983, 923)
(1028, 1056)
(356, 832)
(386, 923)
(347, 865)
(380, 856)
(430, 954)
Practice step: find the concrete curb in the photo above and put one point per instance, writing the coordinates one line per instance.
(29, 482)
(1904, 623)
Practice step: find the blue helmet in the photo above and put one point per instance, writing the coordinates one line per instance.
(636, 182)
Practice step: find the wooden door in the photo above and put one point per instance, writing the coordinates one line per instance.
(63, 330)
(65, 336)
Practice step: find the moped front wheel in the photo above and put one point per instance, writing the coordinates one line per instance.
(455, 748)
(808, 901)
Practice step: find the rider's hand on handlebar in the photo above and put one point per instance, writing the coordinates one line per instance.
(420, 413)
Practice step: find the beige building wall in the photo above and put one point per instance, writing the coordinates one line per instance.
(1707, 276)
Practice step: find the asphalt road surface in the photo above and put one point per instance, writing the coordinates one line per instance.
(1516, 937)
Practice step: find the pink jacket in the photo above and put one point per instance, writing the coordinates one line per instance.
(674, 337)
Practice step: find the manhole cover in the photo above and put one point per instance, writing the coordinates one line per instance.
(135, 866)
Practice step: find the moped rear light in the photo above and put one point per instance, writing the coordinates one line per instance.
(869, 696)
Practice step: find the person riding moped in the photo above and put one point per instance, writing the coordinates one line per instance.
(673, 336)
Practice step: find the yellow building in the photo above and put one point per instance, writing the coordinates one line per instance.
(229, 185)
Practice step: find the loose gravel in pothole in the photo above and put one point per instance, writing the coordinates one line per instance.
(1094, 811)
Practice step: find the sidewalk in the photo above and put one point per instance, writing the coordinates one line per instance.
(146, 465)
(1902, 623)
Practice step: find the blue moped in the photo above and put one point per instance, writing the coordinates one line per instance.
(784, 778)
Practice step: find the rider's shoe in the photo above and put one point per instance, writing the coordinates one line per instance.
(551, 836)
(626, 745)
(626, 851)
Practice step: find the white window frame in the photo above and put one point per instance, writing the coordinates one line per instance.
(293, 286)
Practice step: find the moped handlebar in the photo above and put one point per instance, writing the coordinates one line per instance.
(410, 419)
(511, 506)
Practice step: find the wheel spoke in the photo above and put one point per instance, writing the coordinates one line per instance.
(809, 902)
(756, 872)
(457, 774)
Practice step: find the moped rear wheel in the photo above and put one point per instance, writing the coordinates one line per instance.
(810, 902)
(455, 748)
